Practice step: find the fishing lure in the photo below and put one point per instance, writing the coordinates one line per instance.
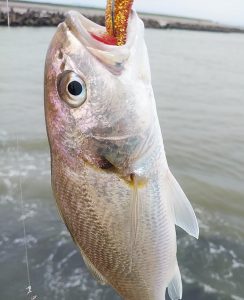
(116, 19)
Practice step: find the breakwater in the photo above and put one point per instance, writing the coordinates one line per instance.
(41, 17)
(44, 18)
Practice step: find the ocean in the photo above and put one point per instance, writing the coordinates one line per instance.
(198, 80)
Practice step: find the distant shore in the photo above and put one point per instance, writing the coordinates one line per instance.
(37, 14)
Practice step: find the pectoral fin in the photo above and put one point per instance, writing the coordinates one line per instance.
(175, 286)
(136, 213)
(182, 209)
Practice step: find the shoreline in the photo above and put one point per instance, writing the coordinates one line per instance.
(38, 14)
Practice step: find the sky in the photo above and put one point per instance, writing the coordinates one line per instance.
(223, 11)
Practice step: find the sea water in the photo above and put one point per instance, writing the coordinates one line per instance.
(198, 80)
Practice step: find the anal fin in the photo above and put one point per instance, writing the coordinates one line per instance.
(175, 286)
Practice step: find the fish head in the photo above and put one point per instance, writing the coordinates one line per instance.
(99, 103)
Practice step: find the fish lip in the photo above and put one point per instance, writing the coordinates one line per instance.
(112, 56)
(82, 28)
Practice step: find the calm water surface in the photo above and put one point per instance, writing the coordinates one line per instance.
(198, 80)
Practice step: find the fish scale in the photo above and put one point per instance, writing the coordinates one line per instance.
(96, 236)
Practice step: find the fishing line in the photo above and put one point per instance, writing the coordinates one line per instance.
(112, 16)
(8, 13)
(28, 288)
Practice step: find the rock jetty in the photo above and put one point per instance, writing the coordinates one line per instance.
(41, 17)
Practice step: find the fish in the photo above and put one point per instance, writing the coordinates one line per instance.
(110, 177)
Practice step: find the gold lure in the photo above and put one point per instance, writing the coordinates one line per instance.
(116, 19)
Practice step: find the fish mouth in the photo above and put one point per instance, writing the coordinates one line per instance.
(89, 33)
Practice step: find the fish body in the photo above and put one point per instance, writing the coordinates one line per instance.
(110, 176)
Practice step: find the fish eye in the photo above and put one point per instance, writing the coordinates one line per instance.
(72, 88)
(75, 88)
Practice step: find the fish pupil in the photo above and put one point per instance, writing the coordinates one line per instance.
(75, 88)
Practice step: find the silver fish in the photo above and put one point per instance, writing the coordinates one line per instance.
(110, 176)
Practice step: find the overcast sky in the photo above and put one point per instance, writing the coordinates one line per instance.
(224, 11)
